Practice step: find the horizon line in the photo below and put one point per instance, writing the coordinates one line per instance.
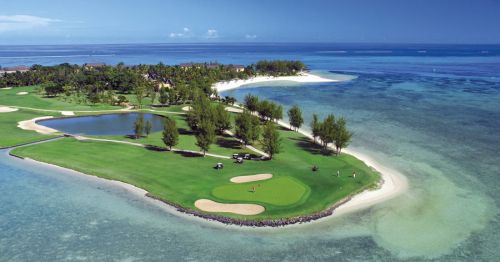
(250, 43)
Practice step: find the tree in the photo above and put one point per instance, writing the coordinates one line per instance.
(251, 102)
(200, 109)
(327, 131)
(153, 88)
(205, 135)
(270, 139)
(230, 100)
(222, 118)
(163, 97)
(52, 89)
(170, 133)
(265, 109)
(93, 97)
(139, 126)
(173, 96)
(147, 127)
(139, 92)
(295, 117)
(122, 99)
(343, 135)
(247, 127)
(276, 112)
(315, 127)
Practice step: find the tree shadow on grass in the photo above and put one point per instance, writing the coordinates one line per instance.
(155, 148)
(184, 131)
(312, 147)
(226, 141)
(282, 128)
(187, 154)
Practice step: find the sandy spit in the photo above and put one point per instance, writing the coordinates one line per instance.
(32, 125)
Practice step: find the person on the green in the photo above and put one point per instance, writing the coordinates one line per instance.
(338, 173)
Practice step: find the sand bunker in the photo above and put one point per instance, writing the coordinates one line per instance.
(252, 178)
(186, 108)
(22, 93)
(6, 88)
(32, 125)
(6, 109)
(234, 109)
(67, 113)
(240, 209)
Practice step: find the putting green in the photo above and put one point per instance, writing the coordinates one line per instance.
(280, 191)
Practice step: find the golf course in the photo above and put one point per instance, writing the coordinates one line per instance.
(230, 179)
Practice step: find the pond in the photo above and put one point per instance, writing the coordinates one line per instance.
(103, 125)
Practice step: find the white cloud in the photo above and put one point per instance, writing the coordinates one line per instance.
(250, 37)
(24, 22)
(186, 33)
(212, 33)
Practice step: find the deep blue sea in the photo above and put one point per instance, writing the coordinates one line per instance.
(431, 112)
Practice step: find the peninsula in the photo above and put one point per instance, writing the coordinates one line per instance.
(166, 130)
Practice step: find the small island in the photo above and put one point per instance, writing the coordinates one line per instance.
(166, 130)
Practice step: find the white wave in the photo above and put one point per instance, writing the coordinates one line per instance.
(52, 56)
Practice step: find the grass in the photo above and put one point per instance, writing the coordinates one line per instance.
(11, 135)
(224, 145)
(34, 100)
(281, 191)
(182, 178)
(294, 189)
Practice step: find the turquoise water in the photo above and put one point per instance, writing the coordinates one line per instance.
(103, 125)
(433, 117)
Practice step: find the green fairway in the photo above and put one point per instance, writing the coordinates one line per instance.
(281, 191)
(10, 97)
(11, 135)
(184, 179)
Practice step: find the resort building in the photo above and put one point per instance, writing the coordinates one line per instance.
(238, 68)
(94, 65)
(13, 69)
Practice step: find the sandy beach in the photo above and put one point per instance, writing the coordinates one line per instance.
(301, 78)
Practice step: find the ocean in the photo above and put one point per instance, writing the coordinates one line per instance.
(432, 112)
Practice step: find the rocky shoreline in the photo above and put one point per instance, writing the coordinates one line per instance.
(255, 223)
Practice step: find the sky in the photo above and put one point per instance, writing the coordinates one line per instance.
(189, 21)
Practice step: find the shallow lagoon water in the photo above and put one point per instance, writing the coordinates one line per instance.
(439, 131)
(434, 118)
(103, 125)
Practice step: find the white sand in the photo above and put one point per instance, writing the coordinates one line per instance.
(394, 183)
(67, 113)
(301, 78)
(6, 88)
(240, 209)
(22, 93)
(6, 109)
(186, 108)
(234, 109)
(252, 178)
(32, 125)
